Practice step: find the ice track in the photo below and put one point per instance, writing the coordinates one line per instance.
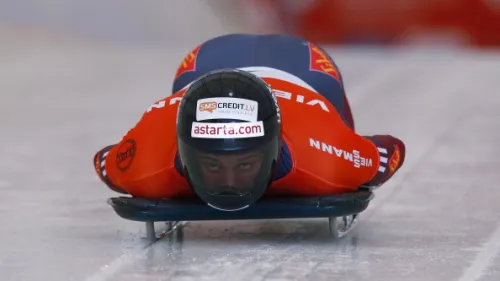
(439, 219)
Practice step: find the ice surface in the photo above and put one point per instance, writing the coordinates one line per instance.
(438, 219)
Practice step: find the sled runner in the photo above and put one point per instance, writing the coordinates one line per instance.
(341, 210)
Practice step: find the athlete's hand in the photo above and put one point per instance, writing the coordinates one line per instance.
(392, 155)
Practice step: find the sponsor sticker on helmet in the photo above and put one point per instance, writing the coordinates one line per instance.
(227, 108)
(227, 130)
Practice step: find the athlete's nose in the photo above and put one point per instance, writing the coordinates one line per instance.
(230, 178)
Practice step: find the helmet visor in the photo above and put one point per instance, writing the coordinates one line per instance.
(232, 174)
(230, 181)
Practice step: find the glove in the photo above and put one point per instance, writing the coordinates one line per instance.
(100, 169)
(392, 155)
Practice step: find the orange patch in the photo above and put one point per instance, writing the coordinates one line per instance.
(319, 61)
(188, 63)
(126, 154)
(208, 106)
(394, 161)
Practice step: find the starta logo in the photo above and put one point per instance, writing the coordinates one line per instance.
(319, 61)
(188, 63)
(394, 161)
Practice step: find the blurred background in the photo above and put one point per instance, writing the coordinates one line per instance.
(452, 22)
(385, 22)
(76, 75)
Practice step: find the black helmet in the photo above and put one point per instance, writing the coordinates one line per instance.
(229, 137)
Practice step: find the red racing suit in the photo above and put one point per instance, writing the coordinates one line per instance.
(321, 155)
(326, 155)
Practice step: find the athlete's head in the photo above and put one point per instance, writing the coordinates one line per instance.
(229, 133)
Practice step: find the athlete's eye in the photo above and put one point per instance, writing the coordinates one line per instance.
(245, 166)
(212, 167)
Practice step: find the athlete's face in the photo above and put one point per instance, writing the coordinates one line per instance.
(230, 171)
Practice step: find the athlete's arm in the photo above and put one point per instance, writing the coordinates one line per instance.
(101, 157)
(122, 166)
